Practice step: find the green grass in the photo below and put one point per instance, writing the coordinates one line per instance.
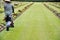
(1, 17)
(55, 8)
(1, 10)
(36, 23)
(21, 7)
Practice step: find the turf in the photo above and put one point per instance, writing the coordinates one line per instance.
(1, 17)
(55, 8)
(36, 23)
(20, 7)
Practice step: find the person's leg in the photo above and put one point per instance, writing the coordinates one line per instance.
(8, 25)
(7, 28)
(12, 23)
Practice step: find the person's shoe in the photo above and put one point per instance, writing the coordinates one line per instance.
(7, 28)
(11, 25)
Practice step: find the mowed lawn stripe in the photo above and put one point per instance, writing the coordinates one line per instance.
(37, 23)
(52, 26)
(45, 24)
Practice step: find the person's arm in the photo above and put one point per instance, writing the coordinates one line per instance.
(4, 8)
(4, 13)
(12, 9)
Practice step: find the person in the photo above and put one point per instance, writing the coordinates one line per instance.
(8, 9)
(8, 22)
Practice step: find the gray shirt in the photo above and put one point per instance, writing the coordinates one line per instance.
(8, 9)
